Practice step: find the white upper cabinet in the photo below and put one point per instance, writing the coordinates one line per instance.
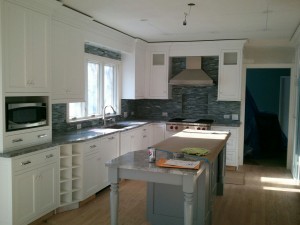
(157, 72)
(229, 84)
(133, 82)
(26, 49)
(68, 81)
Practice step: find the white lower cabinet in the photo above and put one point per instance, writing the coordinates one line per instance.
(92, 168)
(110, 147)
(96, 153)
(29, 186)
(157, 133)
(135, 139)
(232, 144)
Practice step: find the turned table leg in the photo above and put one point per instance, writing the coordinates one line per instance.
(188, 208)
(114, 203)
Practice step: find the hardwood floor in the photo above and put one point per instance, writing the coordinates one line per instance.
(268, 197)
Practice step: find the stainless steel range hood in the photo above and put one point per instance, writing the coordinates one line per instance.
(193, 74)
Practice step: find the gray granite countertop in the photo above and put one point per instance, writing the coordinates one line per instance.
(77, 136)
(138, 160)
(86, 134)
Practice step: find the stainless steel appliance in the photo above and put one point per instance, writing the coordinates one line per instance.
(25, 115)
(179, 124)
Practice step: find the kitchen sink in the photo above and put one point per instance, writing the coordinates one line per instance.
(117, 126)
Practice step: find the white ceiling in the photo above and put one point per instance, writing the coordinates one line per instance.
(162, 20)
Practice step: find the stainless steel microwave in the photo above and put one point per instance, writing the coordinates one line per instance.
(25, 115)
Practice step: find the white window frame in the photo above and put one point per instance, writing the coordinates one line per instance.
(102, 61)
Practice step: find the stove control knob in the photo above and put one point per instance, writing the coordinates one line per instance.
(187, 127)
(203, 128)
(198, 128)
(176, 128)
(171, 127)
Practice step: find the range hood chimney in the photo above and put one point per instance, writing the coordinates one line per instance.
(193, 74)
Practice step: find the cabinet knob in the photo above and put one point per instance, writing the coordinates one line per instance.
(42, 135)
(25, 163)
(49, 156)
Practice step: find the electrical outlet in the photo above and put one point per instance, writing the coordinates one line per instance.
(235, 116)
(125, 114)
(78, 126)
(226, 116)
(165, 114)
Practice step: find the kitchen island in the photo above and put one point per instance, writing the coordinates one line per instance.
(197, 187)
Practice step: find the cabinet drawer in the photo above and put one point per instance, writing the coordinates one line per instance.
(26, 139)
(48, 156)
(31, 160)
(91, 147)
(25, 162)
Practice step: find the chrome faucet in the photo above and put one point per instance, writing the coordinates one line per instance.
(103, 113)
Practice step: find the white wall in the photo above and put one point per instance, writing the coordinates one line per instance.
(270, 57)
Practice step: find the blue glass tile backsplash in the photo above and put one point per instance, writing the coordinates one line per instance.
(187, 102)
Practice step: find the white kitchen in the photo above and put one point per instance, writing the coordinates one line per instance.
(86, 82)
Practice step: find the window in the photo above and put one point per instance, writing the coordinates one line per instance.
(101, 89)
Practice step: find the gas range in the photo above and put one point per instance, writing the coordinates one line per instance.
(179, 124)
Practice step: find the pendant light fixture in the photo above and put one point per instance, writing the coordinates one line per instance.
(187, 14)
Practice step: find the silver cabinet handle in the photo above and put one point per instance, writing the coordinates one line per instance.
(17, 140)
(49, 156)
(25, 163)
(42, 135)
(93, 146)
(144, 136)
(111, 138)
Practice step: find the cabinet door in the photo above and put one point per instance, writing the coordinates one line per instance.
(109, 149)
(158, 80)
(133, 76)
(26, 47)
(158, 133)
(47, 188)
(68, 64)
(140, 72)
(38, 52)
(229, 84)
(92, 174)
(126, 142)
(24, 207)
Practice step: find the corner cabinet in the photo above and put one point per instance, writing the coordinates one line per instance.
(157, 62)
(68, 81)
(229, 83)
(26, 49)
(133, 77)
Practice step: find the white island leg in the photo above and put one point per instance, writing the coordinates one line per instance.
(188, 208)
(114, 203)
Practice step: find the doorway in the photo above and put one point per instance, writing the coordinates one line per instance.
(266, 116)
